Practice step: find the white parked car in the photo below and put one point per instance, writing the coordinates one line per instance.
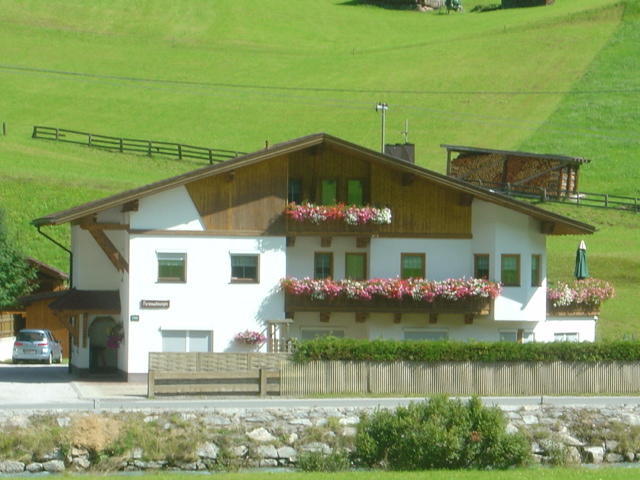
(36, 345)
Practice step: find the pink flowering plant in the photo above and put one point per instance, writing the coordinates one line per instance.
(250, 337)
(590, 292)
(392, 288)
(349, 214)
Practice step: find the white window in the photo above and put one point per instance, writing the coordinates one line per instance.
(311, 333)
(522, 336)
(182, 341)
(566, 337)
(432, 335)
(508, 336)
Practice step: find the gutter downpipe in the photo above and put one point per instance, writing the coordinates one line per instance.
(58, 244)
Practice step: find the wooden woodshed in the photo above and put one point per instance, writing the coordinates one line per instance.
(524, 172)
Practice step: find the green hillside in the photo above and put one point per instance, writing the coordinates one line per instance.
(232, 74)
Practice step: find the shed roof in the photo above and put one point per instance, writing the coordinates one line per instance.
(549, 156)
(568, 225)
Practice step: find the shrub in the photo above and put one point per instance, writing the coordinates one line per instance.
(320, 462)
(331, 348)
(439, 434)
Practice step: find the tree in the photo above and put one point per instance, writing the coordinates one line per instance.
(17, 277)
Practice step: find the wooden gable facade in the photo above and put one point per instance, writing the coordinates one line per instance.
(251, 199)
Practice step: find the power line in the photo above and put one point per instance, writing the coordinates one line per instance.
(319, 89)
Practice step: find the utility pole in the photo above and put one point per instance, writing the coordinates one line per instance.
(382, 107)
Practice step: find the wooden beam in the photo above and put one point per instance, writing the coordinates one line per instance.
(363, 242)
(397, 317)
(105, 226)
(547, 227)
(131, 206)
(109, 249)
(85, 329)
(325, 316)
(468, 318)
(361, 317)
(465, 199)
(407, 179)
(433, 318)
(325, 242)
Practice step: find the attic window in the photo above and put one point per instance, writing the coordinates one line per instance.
(328, 191)
(355, 192)
(295, 190)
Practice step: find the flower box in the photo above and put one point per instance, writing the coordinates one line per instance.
(345, 214)
(581, 298)
(390, 295)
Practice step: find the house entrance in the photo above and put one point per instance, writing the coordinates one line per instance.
(102, 359)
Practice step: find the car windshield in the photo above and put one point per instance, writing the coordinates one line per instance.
(30, 336)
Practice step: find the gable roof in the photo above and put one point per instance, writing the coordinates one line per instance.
(569, 226)
(547, 156)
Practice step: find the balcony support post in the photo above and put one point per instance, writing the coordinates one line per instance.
(468, 318)
(361, 317)
(433, 318)
(325, 316)
(397, 317)
(325, 242)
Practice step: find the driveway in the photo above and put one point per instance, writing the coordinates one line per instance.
(34, 384)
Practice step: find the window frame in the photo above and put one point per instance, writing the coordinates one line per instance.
(423, 256)
(297, 180)
(537, 280)
(160, 279)
(477, 256)
(365, 265)
(188, 337)
(518, 282)
(331, 265)
(577, 335)
(244, 279)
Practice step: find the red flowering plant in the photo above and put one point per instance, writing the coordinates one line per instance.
(392, 288)
(350, 214)
(250, 337)
(590, 292)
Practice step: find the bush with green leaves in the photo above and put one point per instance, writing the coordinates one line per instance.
(331, 348)
(440, 433)
(320, 462)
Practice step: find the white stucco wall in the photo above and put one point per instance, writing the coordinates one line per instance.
(6, 348)
(498, 231)
(585, 327)
(207, 300)
(168, 210)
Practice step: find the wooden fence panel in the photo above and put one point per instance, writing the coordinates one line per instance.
(460, 378)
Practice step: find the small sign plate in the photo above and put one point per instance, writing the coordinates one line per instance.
(154, 304)
(134, 318)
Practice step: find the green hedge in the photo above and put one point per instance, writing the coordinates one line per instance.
(331, 348)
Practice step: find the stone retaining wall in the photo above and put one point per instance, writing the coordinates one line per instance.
(276, 437)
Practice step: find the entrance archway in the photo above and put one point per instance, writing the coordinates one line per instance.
(101, 358)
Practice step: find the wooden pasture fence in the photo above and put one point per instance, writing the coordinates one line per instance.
(460, 378)
(179, 151)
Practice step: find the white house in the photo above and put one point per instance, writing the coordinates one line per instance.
(186, 263)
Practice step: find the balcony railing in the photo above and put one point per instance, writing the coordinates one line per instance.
(573, 310)
(392, 295)
(477, 306)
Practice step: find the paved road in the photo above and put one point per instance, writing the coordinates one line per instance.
(41, 387)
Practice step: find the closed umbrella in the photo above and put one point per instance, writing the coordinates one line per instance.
(582, 270)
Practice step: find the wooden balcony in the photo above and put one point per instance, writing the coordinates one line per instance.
(474, 306)
(578, 310)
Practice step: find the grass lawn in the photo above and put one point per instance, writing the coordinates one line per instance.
(232, 74)
(522, 474)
